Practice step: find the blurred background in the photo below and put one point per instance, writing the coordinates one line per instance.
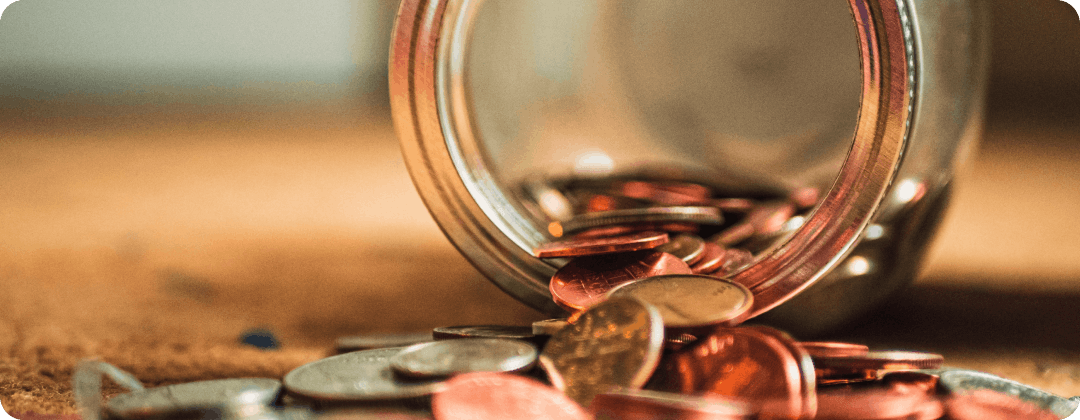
(175, 173)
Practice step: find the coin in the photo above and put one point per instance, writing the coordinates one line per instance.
(734, 205)
(166, 400)
(770, 217)
(691, 303)
(711, 260)
(358, 376)
(512, 332)
(692, 214)
(733, 234)
(844, 376)
(549, 326)
(606, 245)
(959, 381)
(584, 281)
(372, 413)
(377, 341)
(648, 405)
(734, 260)
(616, 343)
(750, 363)
(689, 248)
(497, 396)
(989, 405)
(450, 357)
(805, 197)
(897, 399)
(882, 360)
(833, 349)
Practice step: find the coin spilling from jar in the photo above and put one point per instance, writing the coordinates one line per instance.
(656, 332)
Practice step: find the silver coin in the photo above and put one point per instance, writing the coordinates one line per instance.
(450, 357)
(614, 344)
(377, 341)
(549, 326)
(164, 400)
(691, 301)
(959, 381)
(358, 376)
(687, 247)
(692, 214)
(483, 331)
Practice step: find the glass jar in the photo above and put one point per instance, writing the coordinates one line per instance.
(749, 98)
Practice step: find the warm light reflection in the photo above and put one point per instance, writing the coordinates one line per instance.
(909, 190)
(874, 231)
(858, 266)
(594, 163)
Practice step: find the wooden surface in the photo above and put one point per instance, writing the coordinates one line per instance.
(152, 240)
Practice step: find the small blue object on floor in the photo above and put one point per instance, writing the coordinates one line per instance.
(262, 338)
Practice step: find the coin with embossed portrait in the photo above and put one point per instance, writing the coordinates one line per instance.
(614, 344)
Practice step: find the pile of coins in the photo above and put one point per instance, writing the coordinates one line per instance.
(655, 333)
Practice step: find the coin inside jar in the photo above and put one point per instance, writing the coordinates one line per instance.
(711, 260)
(358, 376)
(693, 214)
(584, 281)
(165, 400)
(616, 343)
(689, 248)
(605, 245)
(495, 396)
(691, 303)
(750, 363)
(450, 357)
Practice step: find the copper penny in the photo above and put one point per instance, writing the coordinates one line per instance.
(617, 230)
(751, 363)
(734, 205)
(882, 360)
(805, 197)
(584, 281)
(668, 194)
(833, 349)
(690, 248)
(499, 396)
(691, 303)
(678, 214)
(898, 399)
(770, 217)
(596, 246)
(844, 376)
(711, 260)
(733, 235)
(650, 405)
(615, 344)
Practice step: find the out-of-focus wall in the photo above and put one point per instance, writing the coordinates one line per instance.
(193, 51)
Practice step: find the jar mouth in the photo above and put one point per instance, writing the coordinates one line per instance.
(449, 167)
